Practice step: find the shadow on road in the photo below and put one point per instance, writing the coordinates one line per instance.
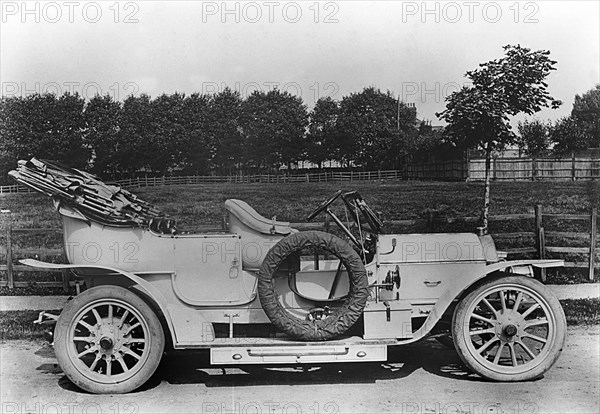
(185, 367)
(402, 362)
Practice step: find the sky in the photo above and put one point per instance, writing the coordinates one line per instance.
(418, 50)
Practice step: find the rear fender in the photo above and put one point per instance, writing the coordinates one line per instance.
(146, 288)
(465, 283)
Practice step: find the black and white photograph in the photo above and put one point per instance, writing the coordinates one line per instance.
(299, 207)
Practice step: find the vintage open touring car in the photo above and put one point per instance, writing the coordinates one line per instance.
(261, 292)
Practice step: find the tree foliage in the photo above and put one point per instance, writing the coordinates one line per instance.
(225, 139)
(479, 115)
(569, 135)
(322, 141)
(586, 113)
(534, 137)
(199, 134)
(374, 128)
(274, 125)
(45, 126)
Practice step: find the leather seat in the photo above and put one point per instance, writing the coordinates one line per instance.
(249, 217)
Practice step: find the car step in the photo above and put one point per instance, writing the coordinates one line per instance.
(297, 354)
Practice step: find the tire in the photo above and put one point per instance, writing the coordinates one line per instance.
(340, 320)
(509, 329)
(108, 340)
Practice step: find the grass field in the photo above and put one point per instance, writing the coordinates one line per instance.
(199, 205)
(203, 204)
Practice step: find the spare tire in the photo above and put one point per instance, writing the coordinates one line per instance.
(343, 317)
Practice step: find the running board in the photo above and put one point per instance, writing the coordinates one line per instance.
(307, 354)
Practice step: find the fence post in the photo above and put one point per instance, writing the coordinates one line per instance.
(430, 222)
(65, 280)
(533, 169)
(540, 241)
(593, 243)
(9, 256)
(573, 170)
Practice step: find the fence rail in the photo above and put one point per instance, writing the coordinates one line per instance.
(8, 252)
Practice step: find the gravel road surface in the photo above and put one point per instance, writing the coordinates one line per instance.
(420, 378)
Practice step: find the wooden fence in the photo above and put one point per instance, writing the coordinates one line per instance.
(527, 169)
(540, 248)
(502, 169)
(325, 176)
(507, 169)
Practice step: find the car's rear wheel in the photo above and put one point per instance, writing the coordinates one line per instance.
(108, 340)
(325, 326)
(509, 329)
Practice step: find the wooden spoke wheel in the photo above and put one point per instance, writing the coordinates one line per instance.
(108, 340)
(509, 329)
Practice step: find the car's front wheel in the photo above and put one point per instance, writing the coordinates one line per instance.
(509, 329)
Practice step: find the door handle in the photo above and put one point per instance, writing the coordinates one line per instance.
(432, 284)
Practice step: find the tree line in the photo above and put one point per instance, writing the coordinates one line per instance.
(224, 133)
(200, 134)
(578, 131)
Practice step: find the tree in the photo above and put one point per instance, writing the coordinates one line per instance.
(169, 139)
(586, 113)
(137, 150)
(225, 138)
(374, 128)
(196, 152)
(569, 135)
(479, 115)
(430, 145)
(534, 137)
(322, 132)
(103, 118)
(44, 126)
(274, 126)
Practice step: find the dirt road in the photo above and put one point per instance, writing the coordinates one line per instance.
(423, 378)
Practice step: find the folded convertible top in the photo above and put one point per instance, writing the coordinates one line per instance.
(104, 203)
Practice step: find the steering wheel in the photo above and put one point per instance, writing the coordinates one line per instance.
(324, 205)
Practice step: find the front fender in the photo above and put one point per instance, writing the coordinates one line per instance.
(465, 282)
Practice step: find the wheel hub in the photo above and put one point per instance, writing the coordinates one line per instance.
(510, 330)
(106, 343)
(109, 338)
(508, 326)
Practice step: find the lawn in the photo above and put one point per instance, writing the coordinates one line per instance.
(203, 204)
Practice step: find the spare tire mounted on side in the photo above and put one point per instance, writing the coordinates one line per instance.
(341, 319)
